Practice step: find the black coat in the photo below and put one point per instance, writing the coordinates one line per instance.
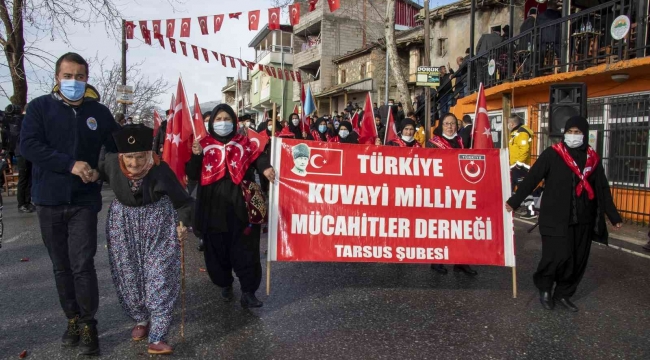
(550, 34)
(466, 135)
(159, 139)
(559, 199)
(528, 24)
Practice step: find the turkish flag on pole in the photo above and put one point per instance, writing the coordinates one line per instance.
(294, 14)
(129, 29)
(156, 28)
(186, 23)
(355, 122)
(195, 51)
(260, 139)
(181, 142)
(295, 109)
(156, 122)
(481, 134)
(334, 4)
(274, 18)
(203, 24)
(368, 132)
(312, 5)
(218, 20)
(199, 126)
(171, 108)
(171, 24)
(391, 129)
(172, 45)
(183, 47)
(167, 145)
(253, 20)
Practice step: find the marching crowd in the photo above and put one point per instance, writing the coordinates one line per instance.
(75, 144)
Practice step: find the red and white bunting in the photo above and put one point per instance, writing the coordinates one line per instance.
(156, 28)
(171, 24)
(205, 55)
(186, 24)
(172, 45)
(183, 47)
(274, 18)
(203, 24)
(253, 20)
(130, 25)
(195, 51)
(294, 14)
(218, 21)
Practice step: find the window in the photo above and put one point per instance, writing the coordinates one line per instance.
(442, 47)
(342, 76)
(256, 85)
(369, 69)
(362, 72)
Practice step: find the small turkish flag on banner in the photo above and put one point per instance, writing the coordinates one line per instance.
(324, 161)
(261, 67)
(481, 133)
(147, 37)
(298, 77)
(203, 24)
(171, 24)
(234, 15)
(172, 45)
(294, 14)
(334, 4)
(156, 28)
(242, 63)
(216, 56)
(223, 60)
(287, 76)
(368, 132)
(260, 140)
(312, 5)
(199, 126)
(218, 20)
(186, 23)
(129, 29)
(268, 70)
(273, 72)
(205, 55)
(391, 129)
(251, 65)
(161, 40)
(183, 47)
(253, 20)
(280, 76)
(195, 51)
(232, 62)
(274, 18)
(293, 76)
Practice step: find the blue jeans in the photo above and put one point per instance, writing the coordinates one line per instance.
(70, 235)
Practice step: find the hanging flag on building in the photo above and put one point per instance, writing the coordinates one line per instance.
(274, 18)
(253, 20)
(294, 14)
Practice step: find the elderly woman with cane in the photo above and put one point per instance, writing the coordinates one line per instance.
(144, 234)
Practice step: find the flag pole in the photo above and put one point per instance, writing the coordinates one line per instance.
(478, 94)
(271, 200)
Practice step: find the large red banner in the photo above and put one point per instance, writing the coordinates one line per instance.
(365, 203)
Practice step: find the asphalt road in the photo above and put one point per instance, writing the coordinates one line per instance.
(345, 311)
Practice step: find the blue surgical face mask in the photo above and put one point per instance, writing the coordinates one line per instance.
(72, 90)
(223, 128)
(322, 128)
(344, 133)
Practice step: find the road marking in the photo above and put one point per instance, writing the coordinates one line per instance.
(13, 238)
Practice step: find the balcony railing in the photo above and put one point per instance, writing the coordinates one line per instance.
(274, 49)
(572, 43)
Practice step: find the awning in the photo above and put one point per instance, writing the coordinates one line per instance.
(350, 87)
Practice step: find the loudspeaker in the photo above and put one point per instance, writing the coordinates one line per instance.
(565, 101)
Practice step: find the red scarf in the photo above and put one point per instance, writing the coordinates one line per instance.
(236, 156)
(333, 139)
(590, 166)
(401, 143)
(442, 143)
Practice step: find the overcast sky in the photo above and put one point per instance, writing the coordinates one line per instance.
(206, 80)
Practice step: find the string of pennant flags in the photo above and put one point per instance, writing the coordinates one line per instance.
(218, 20)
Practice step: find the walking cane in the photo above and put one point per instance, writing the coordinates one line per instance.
(182, 241)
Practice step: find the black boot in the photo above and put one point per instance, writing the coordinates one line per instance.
(201, 246)
(646, 247)
(567, 304)
(439, 268)
(466, 269)
(227, 294)
(546, 300)
(248, 300)
(71, 335)
(89, 344)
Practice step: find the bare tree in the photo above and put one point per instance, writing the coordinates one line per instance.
(145, 90)
(393, 58)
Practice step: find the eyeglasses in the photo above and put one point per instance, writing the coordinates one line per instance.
(448, 124)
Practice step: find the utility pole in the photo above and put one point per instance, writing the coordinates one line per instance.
(427, 62)
(124, 60)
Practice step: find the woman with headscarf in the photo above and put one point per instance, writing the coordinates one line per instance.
(267, 127)
(576, 199)
(322, 133)
(296, 128)
(406, 135)
(446, 137)
(346, 133)
(228, 204)
(143, 233)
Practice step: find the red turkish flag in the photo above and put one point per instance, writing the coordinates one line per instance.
(171, 24)
(203, 24)
(481, 133)
(334, 4)
(259, 139)
(287, 75)
(223, 60)
(293, 77)
(260, 67)
(253, 20)
(280, 76)
(156, 28)
(186, 24)
(157, 120)
(195, 51)
(273, 72)
(167, 145)
(161, 40)
(251, 65)
(172, 105)
(312, 5)
(295, 109)
(172, 45)
(146, 34)
(232, 62)
(274, 18)
(199, 126)
(183, 47)
(241, 62)
(181, 142)
(234, 15)
(368, 132)
(218, 20)
(298, 77)
(355, 122)
(294, 14)
(216, 56)
(205, 55)
(129, 29)
(391, 129)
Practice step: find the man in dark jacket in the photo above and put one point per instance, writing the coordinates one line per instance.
(466, 132)
(551, 35)
(486, 43)
(575, 201)
(159, 140)
(62, 135)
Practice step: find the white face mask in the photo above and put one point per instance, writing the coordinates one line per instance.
(449, 137)
(295, 122)
(573, 140)
(407, 138)
(270, 127)
(344, 133)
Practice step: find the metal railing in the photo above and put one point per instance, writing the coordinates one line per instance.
(571, 43)
(274, 49)
(619, 130)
